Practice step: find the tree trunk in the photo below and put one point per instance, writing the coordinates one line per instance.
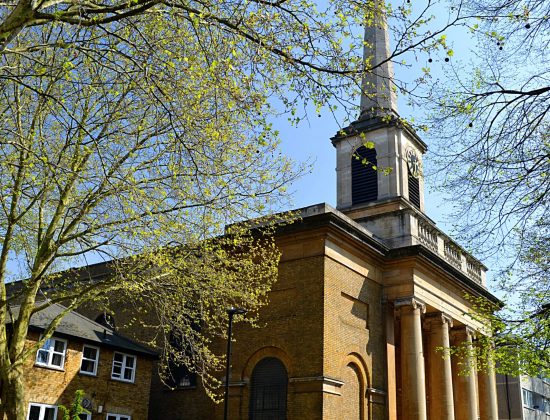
(13, 395)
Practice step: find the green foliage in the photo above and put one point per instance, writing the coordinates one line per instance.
(76, 408)
(136, 132)
(517, 343)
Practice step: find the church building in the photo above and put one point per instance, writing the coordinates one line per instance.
(369, 296)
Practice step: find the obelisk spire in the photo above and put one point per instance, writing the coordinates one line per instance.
(378, 97)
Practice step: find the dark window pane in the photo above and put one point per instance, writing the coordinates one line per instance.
(59, 346)
(57, 360)
(87, 366)
(90, 353)
(128, 374)
(129, 361)
(34, 413)
(49, 414)
(119, 357)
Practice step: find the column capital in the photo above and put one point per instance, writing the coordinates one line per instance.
(463, 331)
(409, 301)
(438, 318)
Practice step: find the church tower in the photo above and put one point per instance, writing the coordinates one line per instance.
(379, 156)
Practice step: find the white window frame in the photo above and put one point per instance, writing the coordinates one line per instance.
(123, 368)
(51, 353)
(88, 415)
(118, 416)
(42, 409)
(96, 361)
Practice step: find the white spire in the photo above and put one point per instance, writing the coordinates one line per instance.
(378, 97)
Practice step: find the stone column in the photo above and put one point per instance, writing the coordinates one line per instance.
(464, 375)
(488, 404)
(413, 382)
(391, 362)
(440, 379)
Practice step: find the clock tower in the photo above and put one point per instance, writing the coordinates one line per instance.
(379, 156)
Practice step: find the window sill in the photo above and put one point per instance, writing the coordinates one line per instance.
(123, 380)
(80, 372)
(56, 368)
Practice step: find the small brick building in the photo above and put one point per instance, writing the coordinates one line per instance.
(113, 371)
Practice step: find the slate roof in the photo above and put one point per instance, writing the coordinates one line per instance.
(78, 326)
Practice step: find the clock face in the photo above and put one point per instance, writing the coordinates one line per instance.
(413, 163)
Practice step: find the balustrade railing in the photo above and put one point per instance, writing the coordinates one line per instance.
(437, 242)
(427, 236)
(452, 254)
(474, 269)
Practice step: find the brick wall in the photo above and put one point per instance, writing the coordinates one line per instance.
(354, 340)
(49, 386)
(290, 328)
(325, 321)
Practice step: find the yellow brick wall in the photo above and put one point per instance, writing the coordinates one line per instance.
(324, 314)
(353, 334)
(49, 386)
(291, 328)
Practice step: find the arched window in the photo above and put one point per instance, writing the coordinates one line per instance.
(364, 176)
(268, 389)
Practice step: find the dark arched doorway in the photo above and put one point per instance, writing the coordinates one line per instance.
(268, 390)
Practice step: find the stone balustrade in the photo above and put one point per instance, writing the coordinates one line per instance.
(452, 254)
(436, 241)
(427, 236)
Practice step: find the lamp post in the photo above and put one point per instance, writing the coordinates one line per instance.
(230, 312)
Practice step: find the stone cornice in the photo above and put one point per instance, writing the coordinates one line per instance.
(364, 125)
(461, 278)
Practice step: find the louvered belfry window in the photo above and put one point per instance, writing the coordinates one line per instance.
(414, 190)
(268, 390)
(364, 178)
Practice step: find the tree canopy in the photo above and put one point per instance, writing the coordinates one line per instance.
(489, 124)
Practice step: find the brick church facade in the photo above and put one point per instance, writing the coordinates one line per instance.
(368, 295)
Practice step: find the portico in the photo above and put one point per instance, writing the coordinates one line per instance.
(435, 384)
